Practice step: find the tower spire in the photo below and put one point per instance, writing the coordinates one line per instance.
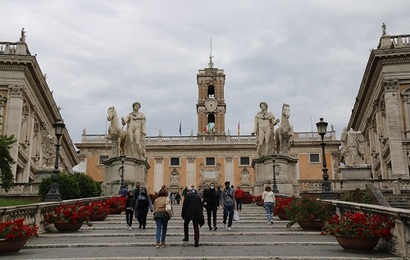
(210, 64)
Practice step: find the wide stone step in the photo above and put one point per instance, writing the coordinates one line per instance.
(251, 238)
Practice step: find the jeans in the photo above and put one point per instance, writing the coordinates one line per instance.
(161, 226)
(128, 216)
(142, 216)
(196, 230)
(228, 210)
(212, 211)
(269, 210)
(238, 204)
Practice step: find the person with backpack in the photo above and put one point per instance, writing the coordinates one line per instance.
(143, 203)
(228, 204)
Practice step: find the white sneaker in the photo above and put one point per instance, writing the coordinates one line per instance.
(229, 228)
(129, 228)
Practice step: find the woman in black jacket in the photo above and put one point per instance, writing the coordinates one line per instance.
(192, 210)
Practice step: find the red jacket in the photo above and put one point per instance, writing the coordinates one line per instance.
(239, 194)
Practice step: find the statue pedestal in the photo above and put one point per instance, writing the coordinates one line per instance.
(135, 170)
(352, 173)
(285, 169)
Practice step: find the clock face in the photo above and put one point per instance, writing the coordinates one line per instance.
(211, 105)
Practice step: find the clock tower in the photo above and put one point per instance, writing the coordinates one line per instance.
(211, 107)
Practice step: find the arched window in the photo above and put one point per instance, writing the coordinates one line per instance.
(211, 91)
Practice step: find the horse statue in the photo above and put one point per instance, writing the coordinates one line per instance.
(115, 132)
(283, 132)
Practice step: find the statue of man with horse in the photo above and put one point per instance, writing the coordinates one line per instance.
(115, 132)
(136, 131)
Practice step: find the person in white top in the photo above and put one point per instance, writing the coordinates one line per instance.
(268, 203)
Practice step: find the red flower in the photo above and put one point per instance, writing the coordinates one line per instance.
(16, 229)
(360, 225)
(69, 213)
(116, 203)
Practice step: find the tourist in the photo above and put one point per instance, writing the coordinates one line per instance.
(143, 203)
(192, 210)
(228, 204)
(178, 198)
(129, 209)
(211, 204)
(268, 202)
(135, 194)
(184, 192)
(161, 218)
(239, 196)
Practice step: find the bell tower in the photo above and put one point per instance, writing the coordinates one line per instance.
(211, 107)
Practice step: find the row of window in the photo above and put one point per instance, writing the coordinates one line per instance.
(175, 161)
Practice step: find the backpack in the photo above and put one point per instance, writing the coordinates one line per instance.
(228, 196)
(142, 201)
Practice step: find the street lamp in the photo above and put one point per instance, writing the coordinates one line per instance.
(274, 186)
(54, 192)
(122, 158)
(326, 193)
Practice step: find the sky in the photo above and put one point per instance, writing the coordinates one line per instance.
(310, 54)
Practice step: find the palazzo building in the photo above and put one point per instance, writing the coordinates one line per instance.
(28, 112)
(212, 154)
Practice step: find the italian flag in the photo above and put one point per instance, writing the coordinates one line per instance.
(208, 127)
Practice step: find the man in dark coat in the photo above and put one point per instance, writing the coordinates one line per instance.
(192, 210)
(211, 203)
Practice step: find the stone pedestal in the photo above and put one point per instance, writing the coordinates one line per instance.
(285, 169)
(135, 170)
(352, 173)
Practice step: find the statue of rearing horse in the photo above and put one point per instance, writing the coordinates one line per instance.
(283, 132)
(115, 132)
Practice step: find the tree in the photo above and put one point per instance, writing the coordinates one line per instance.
(6, 175)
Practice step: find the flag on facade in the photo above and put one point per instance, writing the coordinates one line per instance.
(209, 127)
(180, 128)
(239, 127)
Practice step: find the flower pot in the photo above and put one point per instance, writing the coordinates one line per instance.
(356, 243)
(68, 227)
(98, 217)
(11, 246)
(283, 216)
(311, 224)
(116, 211)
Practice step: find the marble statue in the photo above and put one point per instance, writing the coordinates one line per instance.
(284, 131)
(136, 131)
(264, 125)
(352, 147)
(115, 132)
(23, 35)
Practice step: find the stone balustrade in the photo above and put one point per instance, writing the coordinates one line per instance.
(34, 213)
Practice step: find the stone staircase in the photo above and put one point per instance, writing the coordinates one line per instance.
(251, 238)
(398, 200)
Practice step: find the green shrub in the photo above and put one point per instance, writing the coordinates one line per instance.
(68, 186)
(88, 187)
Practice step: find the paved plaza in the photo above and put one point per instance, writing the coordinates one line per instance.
(251, 238)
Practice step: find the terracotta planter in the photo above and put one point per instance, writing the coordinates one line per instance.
(283, 216)
(68, 227)
(357, 244)
(311, 224)
(98, 217)
(115, 211)
(11, 246)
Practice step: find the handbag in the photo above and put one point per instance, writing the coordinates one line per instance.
(168, 209)
(235, 215)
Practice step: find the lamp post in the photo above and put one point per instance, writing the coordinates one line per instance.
(274, 186)
(326, 193)
(122, 158)
(54, 192)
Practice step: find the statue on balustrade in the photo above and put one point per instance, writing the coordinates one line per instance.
(264, 126)
(352, 147)
(136, 131)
